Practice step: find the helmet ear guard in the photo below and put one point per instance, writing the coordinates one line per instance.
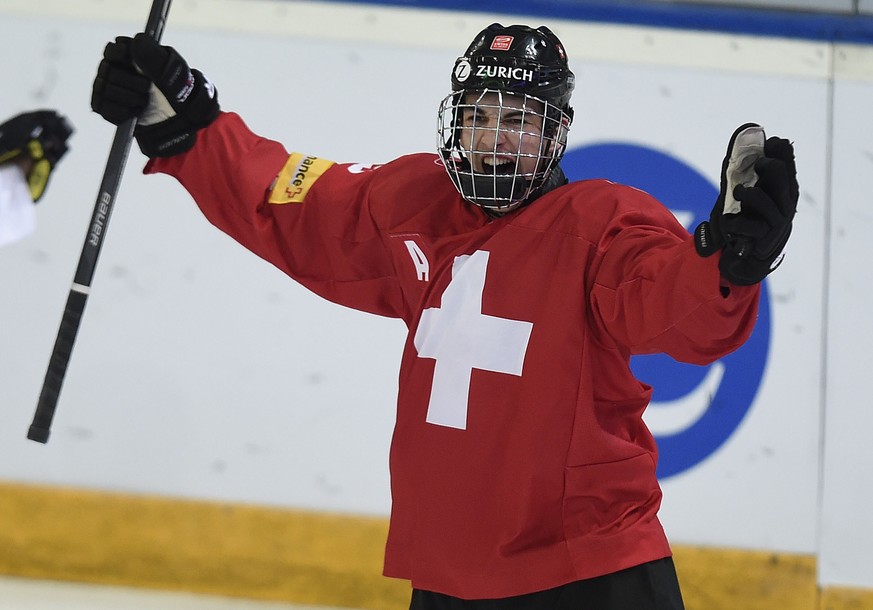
(526, 70)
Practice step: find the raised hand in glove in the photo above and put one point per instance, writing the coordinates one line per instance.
(139, 78)
(39, 139)
(752, 217)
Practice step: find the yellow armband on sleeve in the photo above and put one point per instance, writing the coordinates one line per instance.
(296, 178)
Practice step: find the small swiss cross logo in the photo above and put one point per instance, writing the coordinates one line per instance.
(501, 43)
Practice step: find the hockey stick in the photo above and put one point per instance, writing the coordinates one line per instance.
(60, 358)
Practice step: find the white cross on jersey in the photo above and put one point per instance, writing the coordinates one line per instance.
(460, 338)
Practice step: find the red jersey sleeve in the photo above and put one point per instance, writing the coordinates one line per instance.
(653, 293)
(309, 217)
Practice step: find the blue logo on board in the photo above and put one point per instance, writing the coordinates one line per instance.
(694, 409)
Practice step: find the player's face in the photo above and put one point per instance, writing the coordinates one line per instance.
(502, 134)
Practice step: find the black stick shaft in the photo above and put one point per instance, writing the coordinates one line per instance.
(78, 296)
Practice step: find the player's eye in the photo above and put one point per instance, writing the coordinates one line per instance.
(474, 118)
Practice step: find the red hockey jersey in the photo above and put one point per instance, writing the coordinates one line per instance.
(519, 460)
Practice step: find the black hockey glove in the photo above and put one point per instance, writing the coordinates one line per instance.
(752, 217)
(140, 78)
(40, 136)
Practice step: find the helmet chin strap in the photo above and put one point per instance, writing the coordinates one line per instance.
(555, 179)
(483, 190)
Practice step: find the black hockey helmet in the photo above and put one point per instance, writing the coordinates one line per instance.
(531, 65)
(517, 59)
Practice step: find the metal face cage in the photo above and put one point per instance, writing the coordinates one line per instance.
(499, 148)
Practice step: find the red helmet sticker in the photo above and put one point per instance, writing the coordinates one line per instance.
(501, 43)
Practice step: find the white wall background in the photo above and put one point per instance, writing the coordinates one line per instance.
(847, 528)
(200, 371)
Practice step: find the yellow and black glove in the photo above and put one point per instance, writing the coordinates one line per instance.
(40, 137)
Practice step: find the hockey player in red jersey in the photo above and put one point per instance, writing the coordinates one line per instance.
(522, 474)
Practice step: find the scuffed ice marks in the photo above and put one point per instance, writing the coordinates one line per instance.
(50, 51)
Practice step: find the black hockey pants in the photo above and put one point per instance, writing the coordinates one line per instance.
(650, 586)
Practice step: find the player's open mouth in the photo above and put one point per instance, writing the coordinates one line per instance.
(499, 165)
